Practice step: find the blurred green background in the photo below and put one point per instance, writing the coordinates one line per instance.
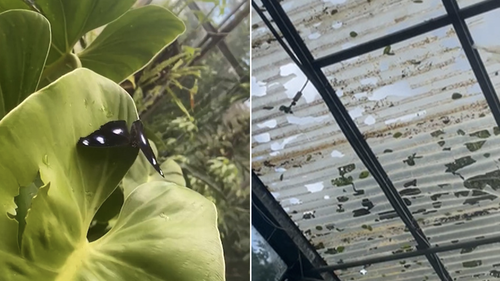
(194, 101)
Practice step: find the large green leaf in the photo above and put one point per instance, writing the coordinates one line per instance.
(130, 42)
(24, 45)
(164, 232)
(63, 65)
(75, 183)
(143, 172)
(12, 4)
(71, 19)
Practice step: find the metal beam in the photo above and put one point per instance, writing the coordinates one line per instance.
(405, 34)
(213, 34)
(216, 38)
(233, 12)
(432, 250)
(274, 224)
(351, 131)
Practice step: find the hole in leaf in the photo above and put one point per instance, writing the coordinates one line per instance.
(103, 219)
(23, 202)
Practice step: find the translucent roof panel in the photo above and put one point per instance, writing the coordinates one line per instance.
(329, 26)
(465, 3)
(472, 264)
(313, 172)
(265, 260)
(424, 115)
(411, 269)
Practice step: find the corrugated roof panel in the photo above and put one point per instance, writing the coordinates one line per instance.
(486, 37)
(471, 264)
(424, 116)
(465, 3)
(324, 187)
(424, 106)
(329, 26)
(333, 25)
(412, 269)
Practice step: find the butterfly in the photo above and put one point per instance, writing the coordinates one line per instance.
(116, 133)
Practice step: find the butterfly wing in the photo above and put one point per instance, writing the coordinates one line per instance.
(139, 140)
(114, 133)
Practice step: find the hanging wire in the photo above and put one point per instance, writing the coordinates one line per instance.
(298, 95)
(304, 86)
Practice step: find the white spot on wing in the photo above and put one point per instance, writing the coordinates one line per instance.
(100, 139)
(85, 142)
(117, 131)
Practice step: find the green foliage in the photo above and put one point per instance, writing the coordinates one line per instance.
(24, 44)
(76, 182)
(168, 76)
(213, 149)
(195, 114)
(52, 190)
(129, 41)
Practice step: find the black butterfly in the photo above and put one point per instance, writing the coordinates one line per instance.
(116, 133)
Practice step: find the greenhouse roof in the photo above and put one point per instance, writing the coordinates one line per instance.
(388, 166)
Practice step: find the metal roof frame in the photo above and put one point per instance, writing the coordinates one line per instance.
(312, 68)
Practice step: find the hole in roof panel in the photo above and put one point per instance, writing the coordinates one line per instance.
(487, 42)
(473, 263)
(329, 26)
(411, 269)
(315, 175)
(434, 133)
